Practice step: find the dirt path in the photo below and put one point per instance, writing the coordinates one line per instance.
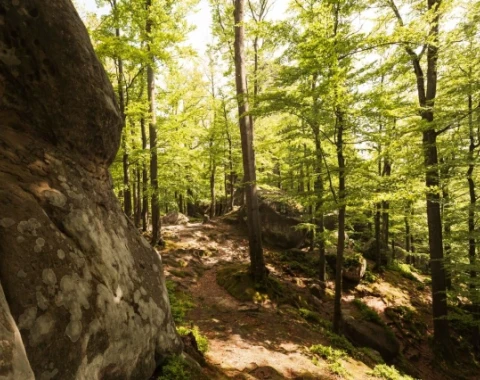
(246, 341)
(249, 341)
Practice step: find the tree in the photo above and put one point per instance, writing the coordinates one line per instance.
(426, 92)
(246, 132)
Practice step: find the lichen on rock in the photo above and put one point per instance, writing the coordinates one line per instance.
(79, 278)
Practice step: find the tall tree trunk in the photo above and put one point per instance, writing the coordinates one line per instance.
(152, 129)
(385, 209)
(144, 178)
(337, 312)
(138, 203)
(319, 214)
(447, 225)
(426, 99)
(318, 185)
(231, 173)
(180, 203)
(378, 237)
(212, 191)
(408, 241)
(121, 102)
(246, 133)
(472, 243)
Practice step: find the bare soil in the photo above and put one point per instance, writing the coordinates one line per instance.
(264, 340)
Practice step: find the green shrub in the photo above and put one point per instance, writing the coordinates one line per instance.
(330, 354)
(338, 369)
(175, 368)
(340, 342)
(352, 260)
(405, 270)
(370, 277)
(202, 340)
(383, 371)
(310, 316)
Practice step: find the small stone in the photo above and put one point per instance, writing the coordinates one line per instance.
(246, 308)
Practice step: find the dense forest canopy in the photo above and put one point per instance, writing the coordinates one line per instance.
(364, 110)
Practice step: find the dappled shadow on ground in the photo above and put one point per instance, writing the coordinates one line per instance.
(271, 341)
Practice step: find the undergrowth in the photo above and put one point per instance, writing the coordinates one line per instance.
(383, 371)
(332, 356)
(180, 302)
(202, 340)
(405, 270)
(367, 312)
(175, 369)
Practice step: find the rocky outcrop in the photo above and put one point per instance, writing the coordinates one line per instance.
(279, 220)
(13, 359)
(174, 218)
(354, 265)
(83, 288)
(365, 333)
(354, 268)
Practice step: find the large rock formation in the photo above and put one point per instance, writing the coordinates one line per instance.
(83, 288)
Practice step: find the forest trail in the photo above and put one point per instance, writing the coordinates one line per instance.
(262, 340)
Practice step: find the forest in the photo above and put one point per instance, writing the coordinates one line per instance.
(294, 192)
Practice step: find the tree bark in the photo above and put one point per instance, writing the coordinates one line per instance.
(152, 129)
(246, 133)
(212, 191)
(378, 237)
(426, 92)
(337, 312)
(318, 184)
(144, 178)
(472, 242)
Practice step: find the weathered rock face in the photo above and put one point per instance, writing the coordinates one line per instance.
(84, 289)
(280, 220)
(368, 334)
(355, 270)
(175, 218)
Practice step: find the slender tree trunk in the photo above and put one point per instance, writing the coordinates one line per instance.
(246, 133)
(447, 226)
(408, 241)
(212, 191)
(385, 209)
(319, 214)
(426, 90)
(318, 185)
(180, 203)
(144, 178)
(138, 203)
(121, 102)
(152, 129)
(337, 313)
(378, 238)
(472, 243)
(231, 173)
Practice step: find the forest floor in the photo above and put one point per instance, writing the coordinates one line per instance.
(270, 340)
